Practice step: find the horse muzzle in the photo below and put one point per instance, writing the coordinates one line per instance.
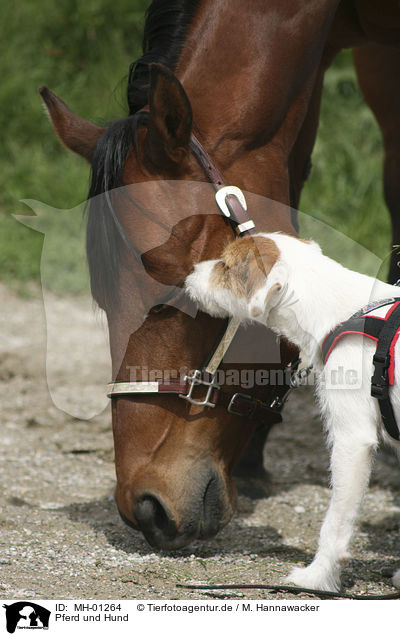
(166, 526)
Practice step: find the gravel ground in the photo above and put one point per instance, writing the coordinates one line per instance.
(61, 536)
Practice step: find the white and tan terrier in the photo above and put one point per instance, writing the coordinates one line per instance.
(289, 285)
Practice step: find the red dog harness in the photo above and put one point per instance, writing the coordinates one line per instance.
(385, 330)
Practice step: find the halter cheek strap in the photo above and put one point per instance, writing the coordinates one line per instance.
(230, 199)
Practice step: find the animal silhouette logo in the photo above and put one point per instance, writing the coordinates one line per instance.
(76, 377)
(26, 615)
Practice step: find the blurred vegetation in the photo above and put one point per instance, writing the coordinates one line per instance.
(345, 188)
(82, 51)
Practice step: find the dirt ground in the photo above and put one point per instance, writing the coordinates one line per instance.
(61, 536)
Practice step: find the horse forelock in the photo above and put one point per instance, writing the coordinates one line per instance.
(164, 35)
(103, 237)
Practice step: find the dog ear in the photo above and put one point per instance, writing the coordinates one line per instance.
(264, 299)
(263, 282)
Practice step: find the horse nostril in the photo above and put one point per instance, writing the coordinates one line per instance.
(151, 516)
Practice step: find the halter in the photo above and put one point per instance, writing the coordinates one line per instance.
(232, 205)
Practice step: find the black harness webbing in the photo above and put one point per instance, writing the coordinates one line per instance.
(385, 332)
(380, 379)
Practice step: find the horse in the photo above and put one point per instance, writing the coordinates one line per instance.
(246, 79)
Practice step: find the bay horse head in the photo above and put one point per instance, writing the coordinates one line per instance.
(174, 460)
(153, 215)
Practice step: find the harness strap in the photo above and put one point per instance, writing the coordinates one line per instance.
(382, 362)
(369, 326)
(385, 331)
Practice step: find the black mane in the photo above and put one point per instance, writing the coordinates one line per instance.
(164, 34)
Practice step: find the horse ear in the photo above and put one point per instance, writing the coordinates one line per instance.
(170, 119)
(76, 133)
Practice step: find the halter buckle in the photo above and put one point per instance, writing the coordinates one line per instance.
(242, 404)
(222, 193)
(196, 380)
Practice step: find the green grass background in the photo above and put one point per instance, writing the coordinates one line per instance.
(82, 51)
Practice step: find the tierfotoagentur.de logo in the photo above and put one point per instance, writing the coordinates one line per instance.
(26, 615)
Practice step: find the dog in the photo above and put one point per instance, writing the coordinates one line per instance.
(290, 286)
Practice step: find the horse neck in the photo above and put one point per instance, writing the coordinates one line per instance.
(249, 69)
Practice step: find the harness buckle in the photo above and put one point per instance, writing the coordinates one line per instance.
(379, 392)
(196, 380)
(278, 401)
(247, 408)
(298, 375)
(380, 379)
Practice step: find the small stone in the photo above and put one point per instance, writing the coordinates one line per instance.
(299, 509)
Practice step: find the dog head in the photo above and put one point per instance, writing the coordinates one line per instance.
(246, 282)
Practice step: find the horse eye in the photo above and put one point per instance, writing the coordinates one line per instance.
(157, 309)
(173, 296)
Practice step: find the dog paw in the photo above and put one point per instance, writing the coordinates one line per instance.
(314, 577)
(396, 579)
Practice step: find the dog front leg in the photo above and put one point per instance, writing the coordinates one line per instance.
(350, 466)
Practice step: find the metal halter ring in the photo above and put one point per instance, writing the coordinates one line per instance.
(196, 380)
